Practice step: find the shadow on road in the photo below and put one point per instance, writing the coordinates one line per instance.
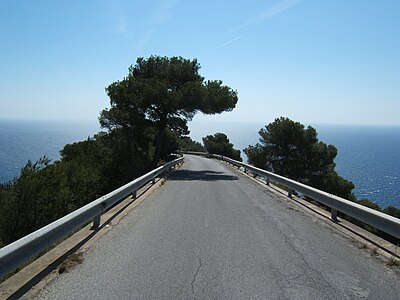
(205, 175)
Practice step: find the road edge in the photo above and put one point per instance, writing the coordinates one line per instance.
(376, 246)
(29, 281)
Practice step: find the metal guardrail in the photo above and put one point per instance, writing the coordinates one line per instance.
(379, 220)
(195, 153)
(20, 251)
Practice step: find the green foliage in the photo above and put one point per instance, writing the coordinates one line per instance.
(289, 149)
(163, 93)
(187, 144)
(147, 121)
(45, 192)
(219, 144)
(149, 112)
(170, 145)
(393, 211)
(257, 157)
(370, 204)
(26, 205)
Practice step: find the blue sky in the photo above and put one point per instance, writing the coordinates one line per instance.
(315, 61)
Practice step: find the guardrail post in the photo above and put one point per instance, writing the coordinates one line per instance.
(96, 222)
(290, 193)
(154, 180)
(268, 181)
(334, 215)
(134, 194)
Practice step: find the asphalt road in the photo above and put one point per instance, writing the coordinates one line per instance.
(211, 233)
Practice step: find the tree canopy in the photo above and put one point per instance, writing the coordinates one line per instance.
(187, 144)
(147, 120)
(163, 93)
(45, 191)
(289, 149)
(149, 112)
(219, 144)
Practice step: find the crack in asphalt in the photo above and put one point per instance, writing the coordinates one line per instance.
(289, 238)
(195, 275)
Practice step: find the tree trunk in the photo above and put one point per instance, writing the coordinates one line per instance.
(159, 142)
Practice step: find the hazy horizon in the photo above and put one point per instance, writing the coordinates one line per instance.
(362, 150)
(208, 119)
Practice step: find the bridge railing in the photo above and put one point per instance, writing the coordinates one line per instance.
(15, 254)
(379, 220)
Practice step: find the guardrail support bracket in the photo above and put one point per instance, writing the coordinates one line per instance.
(96, 222)
(334, 215)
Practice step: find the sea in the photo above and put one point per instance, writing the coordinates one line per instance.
(369, 156)
(23, 140)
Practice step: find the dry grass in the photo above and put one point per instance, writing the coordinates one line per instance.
(374, 251)
(393, 262)
(72, 260)
(362, 246)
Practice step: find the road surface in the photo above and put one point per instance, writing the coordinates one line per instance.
(212, 233)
